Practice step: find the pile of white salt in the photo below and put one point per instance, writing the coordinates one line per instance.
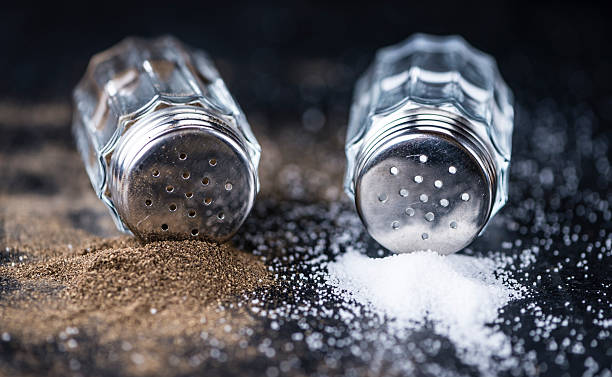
(458, 296)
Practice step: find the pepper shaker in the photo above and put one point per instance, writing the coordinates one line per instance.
(166, 147)
(428, 144)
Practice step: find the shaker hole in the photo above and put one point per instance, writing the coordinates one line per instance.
(155, 173)
(429, 216)
(212, 162)
(423, 198)
(465, 196)
(452, 169)
(148, 203)
(207, 201)
(194, 232)
(172, 207)
(169, 188)
(395, 225)
(229, 186)
(186, 175)
(382, 197)
(444, 202)
(418, 178)
(191, 213)
(403, 192)
(221, 215)
(164, 227)
(423, 158)
(182, 156)
(189, 195)
(205, 181)
(410, 211)
(438, 183)
(453, 224)
(394, 170)
(424, 236)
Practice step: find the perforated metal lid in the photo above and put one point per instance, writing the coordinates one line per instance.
(425, 188)
(190, 180)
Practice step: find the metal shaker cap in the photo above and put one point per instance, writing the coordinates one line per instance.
(182, 174)
(427, 184)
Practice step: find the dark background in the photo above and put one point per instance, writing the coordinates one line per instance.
(281, 59)
(45, 49)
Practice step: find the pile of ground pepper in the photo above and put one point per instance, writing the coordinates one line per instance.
(132, 278)
(137, 295)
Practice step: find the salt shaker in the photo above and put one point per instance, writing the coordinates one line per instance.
(166, 147)
(428, 144)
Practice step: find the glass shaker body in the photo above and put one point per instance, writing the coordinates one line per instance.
(165, 145)
(428, 144)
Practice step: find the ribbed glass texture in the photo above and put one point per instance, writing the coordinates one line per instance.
(444, 73)
(137, 77)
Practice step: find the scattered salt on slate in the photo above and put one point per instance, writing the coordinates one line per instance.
(333, 300)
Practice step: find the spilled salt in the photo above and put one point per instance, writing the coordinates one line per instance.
(458, 296)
